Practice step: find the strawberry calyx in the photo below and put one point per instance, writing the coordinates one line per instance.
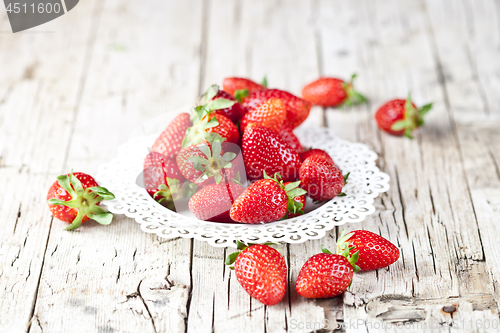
(240, 246)
(84, 201)
(353, 97)
(344, 249)
(292, 191)
(164, 197)
(241, 94)
(214, 164)
(167, 194)
(413, 117)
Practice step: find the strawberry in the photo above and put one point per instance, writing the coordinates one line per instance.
(325, 275)
(297, 109)
(287, 135)
(374, 251)
(213, 202)
(234, 112)
(298, 208)
(208, 126)
(169, 141)
(240, 87)
(400, 116)
(270, 114)
(225, 129)
(321, 179)
(157, 168)
(74, 198)
(261, 271)
(328, 91)
(200, 162)
(316, 153)
(162, 177)
(267, 200)
(265, 151)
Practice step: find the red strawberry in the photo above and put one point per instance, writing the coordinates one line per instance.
(160, 174)
(265, 151)
(400, 116)
(316, 153)
(325, 275)
(204, 162)
(328, 91)
(213, 202)
(321, 179)
(270, 114)
(225, 128)
(157, 168)
(169, 141)
(298, 208)
(297, 109)
(261, 271)
(287, 135)
(266, 200)
(209, 128)
(374, 251)
(245, 86)
(234, 112)
(74, 198)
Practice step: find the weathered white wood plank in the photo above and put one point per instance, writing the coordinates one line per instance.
(394, 51)
(144, 60)
(36, 107)
(476, 117)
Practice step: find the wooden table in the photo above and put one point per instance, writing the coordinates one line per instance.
(72, 90)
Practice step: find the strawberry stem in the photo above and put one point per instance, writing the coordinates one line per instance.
(353, 97)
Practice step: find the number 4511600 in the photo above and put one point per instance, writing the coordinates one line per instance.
(39, 8)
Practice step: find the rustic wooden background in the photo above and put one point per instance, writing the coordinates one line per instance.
(72, 90)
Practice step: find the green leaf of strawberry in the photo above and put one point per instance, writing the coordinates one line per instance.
(241, 94)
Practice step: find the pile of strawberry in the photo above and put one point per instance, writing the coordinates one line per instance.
(195, 157)
(261, 270)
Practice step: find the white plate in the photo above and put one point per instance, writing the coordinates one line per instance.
(366, 181)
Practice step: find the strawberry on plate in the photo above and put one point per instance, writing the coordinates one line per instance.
(230, 108)
(206, 162)
(163, 180)
(321, 179)
(213, 202)
(209, 125)
(399, 116)
(261, 271)
(316, 153)
(289, 137)
(74, 198)
(325, 275)
(265, 151)
(374, 251)
(169, 141)
(270, 114)
(240, 87)
(297, 109)
(267, 200)
(329, 91)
